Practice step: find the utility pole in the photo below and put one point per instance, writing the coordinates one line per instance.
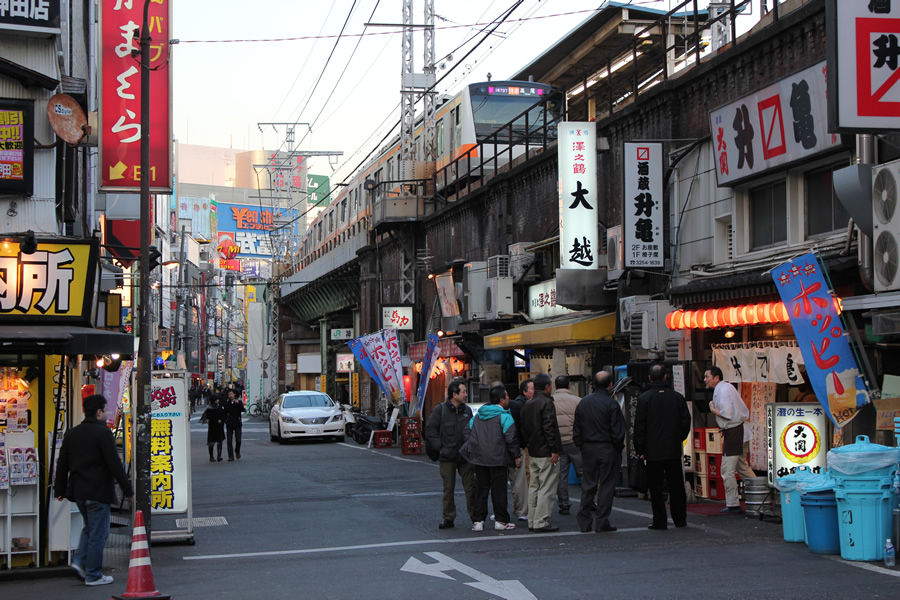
(178, 301)
(142, 404)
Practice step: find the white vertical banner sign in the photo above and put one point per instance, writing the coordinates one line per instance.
(378, 353)
(643, 212)
(170, 465)
(578, 214)
(393, 347)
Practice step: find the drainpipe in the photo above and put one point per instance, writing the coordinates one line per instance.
(865, 153)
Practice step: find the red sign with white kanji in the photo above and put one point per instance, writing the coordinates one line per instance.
(120, 109)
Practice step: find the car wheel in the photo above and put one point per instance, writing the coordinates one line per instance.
(281, 440)
(272, 437)
(360, 436)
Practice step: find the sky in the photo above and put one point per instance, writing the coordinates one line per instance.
(346, 88)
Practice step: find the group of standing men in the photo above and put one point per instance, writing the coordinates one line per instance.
(529, 439)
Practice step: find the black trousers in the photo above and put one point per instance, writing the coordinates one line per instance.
(490, 480)
(233, 434)
(662, 475)
(601, 463)
(218, 446)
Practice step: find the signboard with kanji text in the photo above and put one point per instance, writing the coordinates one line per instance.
(170, 464)
(796, 435)
(863, 61)
(16, 147)
(397, 317)
(120, 106)
(643, 211)
(578, 214)
(39, 17)
(778, 125)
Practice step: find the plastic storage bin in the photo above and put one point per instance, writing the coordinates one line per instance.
(792, 521)
(820, 516)
(865, 520)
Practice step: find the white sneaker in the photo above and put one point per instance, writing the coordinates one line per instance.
(478, 526)
(523, 518)
(105, 580)
(78, 569)
(504, 526)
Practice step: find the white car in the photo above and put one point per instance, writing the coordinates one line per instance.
(305, 414)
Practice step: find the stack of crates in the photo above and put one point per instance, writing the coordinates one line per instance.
(708, 463)
(410, 435)
(382, 438)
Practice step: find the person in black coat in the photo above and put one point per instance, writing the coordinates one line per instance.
(661, 423)
(540, 434)
(599, 432)
(233, 425)
(86, 472)
(214, 417)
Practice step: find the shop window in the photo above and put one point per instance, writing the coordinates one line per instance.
(824, 213)
(768, 215)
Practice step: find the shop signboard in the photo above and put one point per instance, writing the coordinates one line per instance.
(39, 17)
(397, 317)
(170, 466)
(796, 435)
(863, 89)
(643, 212)
(778, 125)
(542, 302)
(16, 147)
(342, 333)
(251, 226)
(120, 108)
(54, 284)
(344, 363)
(830, 365)
(578, 213)
(446, 292)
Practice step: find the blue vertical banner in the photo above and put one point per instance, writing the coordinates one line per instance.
(362, 357)
(830, 365)
(427, 364)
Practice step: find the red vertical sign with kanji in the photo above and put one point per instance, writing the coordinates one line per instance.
(120, 107)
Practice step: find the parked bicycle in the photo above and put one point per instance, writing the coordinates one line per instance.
(261, 407)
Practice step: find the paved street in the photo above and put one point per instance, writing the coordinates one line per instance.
(329, 520)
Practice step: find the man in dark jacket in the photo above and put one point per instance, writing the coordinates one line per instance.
(540, 434)
(233, 425)
(445, 432)
(661, 423)
(518, 475)
(492, 444)
(214, 417)
(86, 473)
(599, 432)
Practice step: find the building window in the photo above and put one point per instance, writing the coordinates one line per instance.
(768, 215)
(824, 212)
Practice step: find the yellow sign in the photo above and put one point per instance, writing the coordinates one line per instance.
(56, 282)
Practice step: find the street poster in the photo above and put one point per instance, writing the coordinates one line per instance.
(830, 364)
(170, 451)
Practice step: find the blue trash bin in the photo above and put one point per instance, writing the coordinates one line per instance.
(865, 501)
(820, 516)
(792, 522)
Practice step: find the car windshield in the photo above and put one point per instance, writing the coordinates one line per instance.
(307, 401)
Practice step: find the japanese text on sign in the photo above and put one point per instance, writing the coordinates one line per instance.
(779, 124)
(577, 151)
(643, 212)
(169, 447)
(12, 145)
(794, 437)
(830, 365)
(162, 494)
(397, 317)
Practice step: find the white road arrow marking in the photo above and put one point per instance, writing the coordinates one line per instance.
(510, 589)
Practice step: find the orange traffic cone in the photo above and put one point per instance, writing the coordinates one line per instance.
(140, 574)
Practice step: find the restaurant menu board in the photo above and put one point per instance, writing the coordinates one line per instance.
(22, 465)
(4, 469)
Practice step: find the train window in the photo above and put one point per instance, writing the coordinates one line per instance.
(390, 169)
(378, 189)
(439, 135)
(344, 210)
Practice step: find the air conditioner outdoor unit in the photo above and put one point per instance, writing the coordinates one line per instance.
(474, 286)
(615, 252)
(627, 307)
(886, 226)
(499, 297)
(649, 333)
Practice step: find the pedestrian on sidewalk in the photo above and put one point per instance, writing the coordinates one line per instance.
(565, 403)
(518, 475)
(492, 444)
(233, 425)
(214, 417)
(445, 434)
(599, 432)
(731, 412)
(86, 473)
(662, 422)
(540, 433)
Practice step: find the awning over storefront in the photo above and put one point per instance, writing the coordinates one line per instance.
(64, 339)
(563, 332)
(447, 345)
